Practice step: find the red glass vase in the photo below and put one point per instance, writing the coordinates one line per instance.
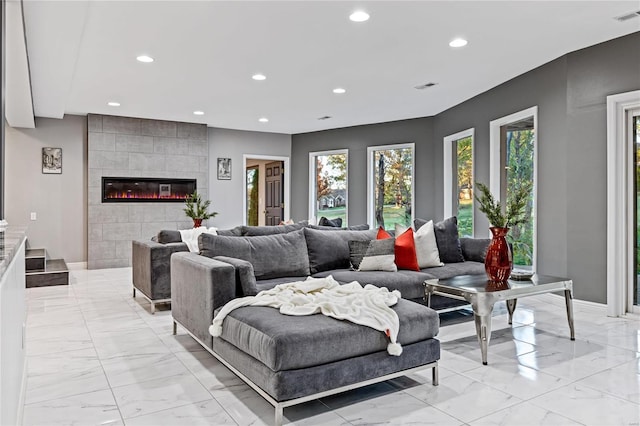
(197, 223)
(499, 261)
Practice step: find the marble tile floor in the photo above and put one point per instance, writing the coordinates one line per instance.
(96, 356)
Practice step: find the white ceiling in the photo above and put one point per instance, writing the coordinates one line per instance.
(82, 55)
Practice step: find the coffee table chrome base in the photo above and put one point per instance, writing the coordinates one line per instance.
(472, 288)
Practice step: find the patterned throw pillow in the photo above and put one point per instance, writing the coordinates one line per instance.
(374, 255)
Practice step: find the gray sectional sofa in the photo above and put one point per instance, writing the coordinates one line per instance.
(151, 259)
(289, 360)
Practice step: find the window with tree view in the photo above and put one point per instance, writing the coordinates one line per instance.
(517, 159)
(464, 190)
(252, 196)
(391, 185)
(329, 194)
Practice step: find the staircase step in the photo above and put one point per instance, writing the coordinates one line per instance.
(35, 253)
(54, 273)
(34, 259)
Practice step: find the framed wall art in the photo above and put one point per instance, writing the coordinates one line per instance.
(52, 161)
(224, 168)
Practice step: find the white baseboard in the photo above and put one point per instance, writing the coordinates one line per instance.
(581, 302)
(74, 266)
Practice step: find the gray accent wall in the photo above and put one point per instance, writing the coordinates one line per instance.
(133, 147)
(59, 201)
(570, 93)
(226, 195)
(356, 140)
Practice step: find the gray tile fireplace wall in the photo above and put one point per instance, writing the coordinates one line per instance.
(131, 147)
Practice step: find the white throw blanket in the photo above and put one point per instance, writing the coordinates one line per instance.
(190, 236)
(369, 305)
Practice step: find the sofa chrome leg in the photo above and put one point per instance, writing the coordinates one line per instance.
(175, 328)
(134, 292)
(153, 308)
(434, 375)
(278, 421)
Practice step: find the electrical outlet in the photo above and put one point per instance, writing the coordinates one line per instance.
(34, 216)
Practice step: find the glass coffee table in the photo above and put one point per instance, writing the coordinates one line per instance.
(482, 295)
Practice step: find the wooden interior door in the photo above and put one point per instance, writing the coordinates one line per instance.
(274, 192)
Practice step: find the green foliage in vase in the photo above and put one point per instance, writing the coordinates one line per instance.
(515, 212)
(196, 208)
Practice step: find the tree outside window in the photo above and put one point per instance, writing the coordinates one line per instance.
(464, 176)
(519, 148)
(329, 198)
(392, 186)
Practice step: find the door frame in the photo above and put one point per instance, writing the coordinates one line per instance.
(619, 214)
(287, 181)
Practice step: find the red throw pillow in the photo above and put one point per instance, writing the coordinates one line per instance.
(382, 234)
(405, 250)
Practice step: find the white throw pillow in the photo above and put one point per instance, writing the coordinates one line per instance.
(400, 229)
(426, 246)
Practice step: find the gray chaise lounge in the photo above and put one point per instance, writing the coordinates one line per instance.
(290, 360)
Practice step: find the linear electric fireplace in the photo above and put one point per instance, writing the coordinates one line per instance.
(129, 190)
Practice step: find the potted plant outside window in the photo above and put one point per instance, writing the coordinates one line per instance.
(197, 209)
(499, 260)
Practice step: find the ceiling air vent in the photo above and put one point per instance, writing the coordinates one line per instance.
(326, 117)
(627, 16)
(425, 86)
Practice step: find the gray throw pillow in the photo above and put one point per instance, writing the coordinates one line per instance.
(233, 232)
(446, 238)
(336, 223)
(169, 236)
(272, 256)
(475, 249)
(252, 231)
(361, 227)
(330, 250)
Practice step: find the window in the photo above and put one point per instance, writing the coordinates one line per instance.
(390, 185)
(252, 195)
(328, 177)
(512, 163)
(458, 180)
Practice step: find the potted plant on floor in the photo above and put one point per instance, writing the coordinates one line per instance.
(197, 209)
(499, 260)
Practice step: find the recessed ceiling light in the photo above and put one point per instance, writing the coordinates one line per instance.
(263, 120)
(458, 42)
(113, 103)
(144, 58)
(359, 16)
(259, 77)
(339, 90)
(198, 112)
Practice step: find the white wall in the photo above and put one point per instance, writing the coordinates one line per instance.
(60, 201)
(226, 195)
